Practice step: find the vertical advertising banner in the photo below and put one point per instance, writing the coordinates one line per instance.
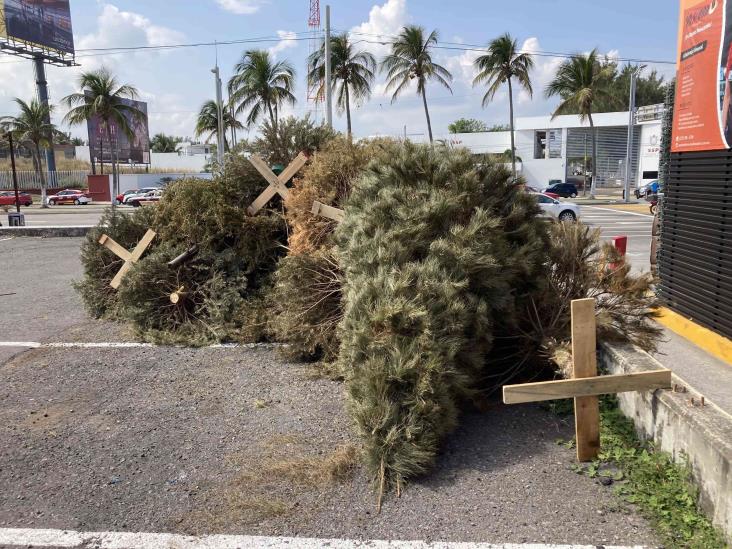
(134, 149)
(702, 112)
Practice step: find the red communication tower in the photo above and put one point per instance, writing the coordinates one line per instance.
(314, 19)
(315, 42)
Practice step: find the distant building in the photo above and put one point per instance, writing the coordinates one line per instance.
(560, 149)
(193, 149)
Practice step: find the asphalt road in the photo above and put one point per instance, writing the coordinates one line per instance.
(636, 226)
(70, 215)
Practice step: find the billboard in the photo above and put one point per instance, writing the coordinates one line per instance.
(703, 106)
(129, 151)
(45, 24)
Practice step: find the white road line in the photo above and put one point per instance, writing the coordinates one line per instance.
(126, 345)
(619, 211)
(131, 540)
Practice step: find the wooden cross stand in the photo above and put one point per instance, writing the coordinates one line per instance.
(277, 184)
(130, 257)
(585, 385)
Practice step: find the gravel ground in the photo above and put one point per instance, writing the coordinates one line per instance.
(240, 441)
(186, 440)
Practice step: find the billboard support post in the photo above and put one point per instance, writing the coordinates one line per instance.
(42, 90)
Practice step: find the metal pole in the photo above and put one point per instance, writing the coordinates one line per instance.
(220, 118)
(328, 89)
(629, 153)
(15, 176)
(584, 171)
(42, 90)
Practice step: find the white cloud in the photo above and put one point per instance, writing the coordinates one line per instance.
(384, 22)
(287, 40)
(545, 68)
(240, 7)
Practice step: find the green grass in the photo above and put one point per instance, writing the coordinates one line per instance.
(648, 478)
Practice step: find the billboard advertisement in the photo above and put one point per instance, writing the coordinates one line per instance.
(41, 23)
(129, 151)
(703, 107)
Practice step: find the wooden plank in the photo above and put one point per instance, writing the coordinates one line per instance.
(142, 245)
(264, 170)
(115, 248)
(594, 386)
(584, 358)
(117, 280)
(330, 212)
(261, 200)
(294, 167)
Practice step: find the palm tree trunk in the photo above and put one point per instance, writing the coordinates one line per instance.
(39, 170)
(513, 145)
(427, 113)
(594, 157)
(348, 110)
(272, 117)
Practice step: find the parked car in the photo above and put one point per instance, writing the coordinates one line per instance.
(565, 190)
(120, 198)
(562, 211)
(70, 196)
(537, 191)
(152, 196)
(643, 190)
(140, 192)
(7, 198)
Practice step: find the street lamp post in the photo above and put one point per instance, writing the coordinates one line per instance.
(15, 176)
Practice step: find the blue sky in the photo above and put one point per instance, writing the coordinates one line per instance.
(175, 83)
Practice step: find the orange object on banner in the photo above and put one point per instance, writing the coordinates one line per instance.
(703, 105)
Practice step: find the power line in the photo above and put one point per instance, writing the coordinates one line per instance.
(460, 46)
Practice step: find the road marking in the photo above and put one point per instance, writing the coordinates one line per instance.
(131, 540)
(619, 211)
(127, 345)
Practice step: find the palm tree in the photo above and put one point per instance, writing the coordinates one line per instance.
(103, 97)
(410, 58)
(579, 82)
(31, 127)
(352, 73)
(261, 86)
(161, 143)
(501, 65)
(207, 123)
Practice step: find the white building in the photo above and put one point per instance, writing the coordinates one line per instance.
(186, 160)
(559, 149)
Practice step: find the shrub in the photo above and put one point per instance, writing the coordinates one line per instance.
(306, 304)
(224, 282)
(579, 267)
(437, 252)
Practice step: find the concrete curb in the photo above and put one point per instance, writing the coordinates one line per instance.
(681, 426)
(47, 232)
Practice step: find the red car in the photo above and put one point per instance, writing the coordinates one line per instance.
(7, 198)
(70, 196)
(555, 196)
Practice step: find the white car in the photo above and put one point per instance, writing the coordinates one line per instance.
(562, 211)
(139, 193)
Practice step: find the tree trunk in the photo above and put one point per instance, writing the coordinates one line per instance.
(594, 157)
(272, 116)
(348, 110)
(427, 113)
(510, 121)
(39, 170)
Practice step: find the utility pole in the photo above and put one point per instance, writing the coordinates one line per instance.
(220, 139)
(629, 152)
(42, 90)
(584, 171)
(15, 176)
(328, 89)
